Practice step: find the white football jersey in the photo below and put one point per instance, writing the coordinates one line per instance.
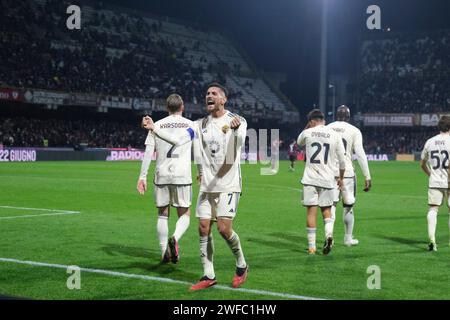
(220, 151)
(436, 152)
(353, 144)
(173, 163)
(324, 156)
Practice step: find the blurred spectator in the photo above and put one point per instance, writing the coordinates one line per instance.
(385, 140)
(406, 73)
(24, 132)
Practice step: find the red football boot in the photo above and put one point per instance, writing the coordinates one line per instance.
(204, 283)
(240, 277)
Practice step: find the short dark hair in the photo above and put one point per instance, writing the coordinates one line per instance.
(174, 102)
(444, 124)
(343, 113)
(218, 85)
(315, 114)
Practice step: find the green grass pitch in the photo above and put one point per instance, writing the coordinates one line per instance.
(115, 231)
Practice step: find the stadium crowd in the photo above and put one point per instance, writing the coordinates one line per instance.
(21, 132)
(24, 132)
(121, 55)
(383, 140)
(406, 73)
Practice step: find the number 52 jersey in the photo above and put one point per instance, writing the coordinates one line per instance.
(173, 163)
(324, 156)
(436, 152)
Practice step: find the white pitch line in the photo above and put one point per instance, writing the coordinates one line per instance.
(38, 215)
(275, 186)
(39, 209)
(158, 279)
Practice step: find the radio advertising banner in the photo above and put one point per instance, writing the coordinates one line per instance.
(123, 154)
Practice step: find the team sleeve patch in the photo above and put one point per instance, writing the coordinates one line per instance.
(191, 133)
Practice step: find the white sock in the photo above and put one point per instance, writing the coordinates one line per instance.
(311, 234)
(206, 255)
(432, 222)
(333, 218)
(181, 226)
(328, 223)
(162, 228)
(349, 221)
(235, 245)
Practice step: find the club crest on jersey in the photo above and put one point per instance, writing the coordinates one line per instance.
(225, 128)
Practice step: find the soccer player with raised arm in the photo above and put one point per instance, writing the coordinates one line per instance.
(324, 152)
(172, 179)
(435, 163)
(353, 144)
(217, 150)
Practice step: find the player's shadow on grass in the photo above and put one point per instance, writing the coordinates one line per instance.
(289, 242)
(290, 237)
(113, 249)
(152, 263)
(411, 242)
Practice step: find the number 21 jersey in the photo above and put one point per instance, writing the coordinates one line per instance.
(324, 152)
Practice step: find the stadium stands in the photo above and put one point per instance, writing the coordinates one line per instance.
(128, 54)
(405, 73)
(22, 132)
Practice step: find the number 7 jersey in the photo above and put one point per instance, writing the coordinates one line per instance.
(173, 163)
(324, 156)
(436, 152)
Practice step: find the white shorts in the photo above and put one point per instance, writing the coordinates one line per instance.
(436, 197)
(179, 196)
(217, 205)
(316, 196)
(348, 192)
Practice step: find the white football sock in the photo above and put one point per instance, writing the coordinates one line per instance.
(162, 228)
(311, 234)
(333, 218)
(181, 226)
(206, 255)
(235, 245)
(432, 222)
(349, 221)
(328, 223)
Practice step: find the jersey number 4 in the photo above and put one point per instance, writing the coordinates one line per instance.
(435, 155)
(326, 147)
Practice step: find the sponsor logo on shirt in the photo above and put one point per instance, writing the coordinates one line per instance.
(214, 147)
